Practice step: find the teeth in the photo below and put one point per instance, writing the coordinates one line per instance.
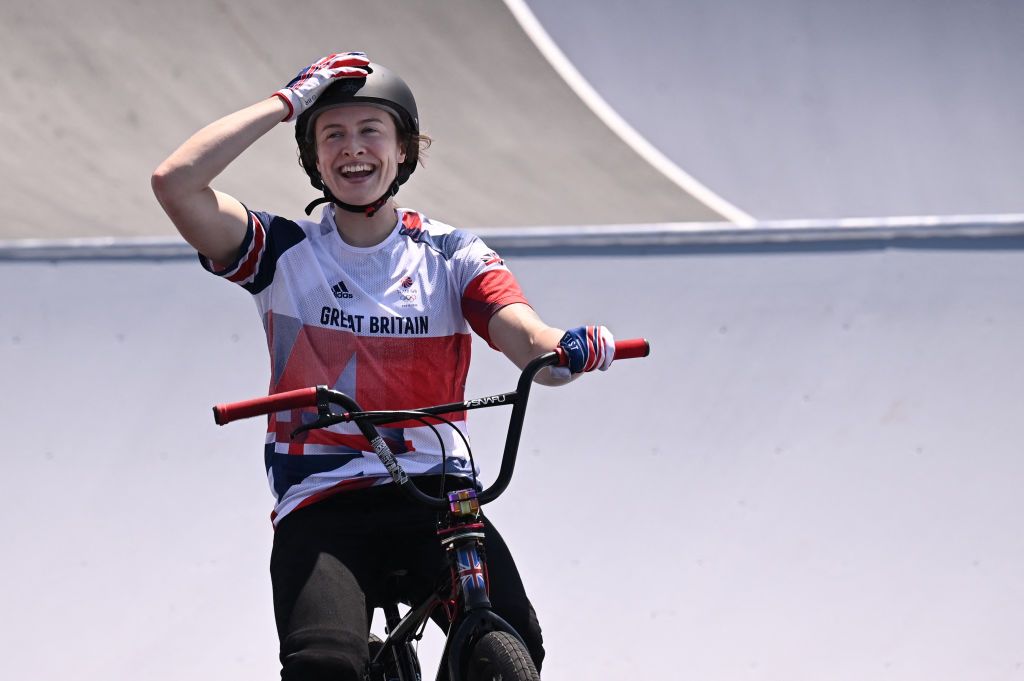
(356, 168)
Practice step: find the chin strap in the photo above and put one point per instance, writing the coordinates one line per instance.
(369, 209)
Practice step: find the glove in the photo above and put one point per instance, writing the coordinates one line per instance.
(304, 89)
(588, 348)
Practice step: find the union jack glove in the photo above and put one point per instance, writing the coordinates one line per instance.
(304, 89)
(588, 348)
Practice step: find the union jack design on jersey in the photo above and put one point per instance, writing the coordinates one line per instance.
(471, 569)
(389, 325)
(492, 258)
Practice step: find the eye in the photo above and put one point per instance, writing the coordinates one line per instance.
(332, 132)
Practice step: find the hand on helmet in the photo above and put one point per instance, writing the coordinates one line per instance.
(587, 348)
(304, 89)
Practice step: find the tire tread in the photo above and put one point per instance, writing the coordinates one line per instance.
(500, 656)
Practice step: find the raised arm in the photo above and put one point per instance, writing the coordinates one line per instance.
(214, 223)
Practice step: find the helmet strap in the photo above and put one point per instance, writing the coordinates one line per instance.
(369, 209)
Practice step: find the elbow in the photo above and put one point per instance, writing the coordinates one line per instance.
(163, 183)
(174, 182)
(172, 195)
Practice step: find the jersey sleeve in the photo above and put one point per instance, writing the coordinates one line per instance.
(266, 238)
(489, 286)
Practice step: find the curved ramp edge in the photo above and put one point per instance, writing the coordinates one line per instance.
(626, 132)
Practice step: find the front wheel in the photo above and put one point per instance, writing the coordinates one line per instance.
(500, 656)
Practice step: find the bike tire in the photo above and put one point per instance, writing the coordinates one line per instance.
(500, 656)
(390, 670)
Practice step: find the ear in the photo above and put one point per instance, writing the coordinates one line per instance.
(402, 146)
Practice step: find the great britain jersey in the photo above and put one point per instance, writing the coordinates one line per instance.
(389, 325)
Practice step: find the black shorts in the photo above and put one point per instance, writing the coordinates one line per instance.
(331, 564)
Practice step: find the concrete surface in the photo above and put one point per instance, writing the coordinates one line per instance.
(817, 108)
(106, 90)
(816, 474)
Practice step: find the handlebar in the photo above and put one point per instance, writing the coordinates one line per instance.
(293, 399)
(322, 397)
(627, 348)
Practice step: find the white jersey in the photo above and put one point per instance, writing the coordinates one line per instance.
(388, 325)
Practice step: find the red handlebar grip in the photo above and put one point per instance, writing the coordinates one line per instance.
(631, 348)
(627, 348)
(226, 413)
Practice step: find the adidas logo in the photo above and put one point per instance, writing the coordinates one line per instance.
(340, 290)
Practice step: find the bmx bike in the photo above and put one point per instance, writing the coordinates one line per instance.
(480, 644)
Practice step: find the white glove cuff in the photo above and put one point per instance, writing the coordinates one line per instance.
(608, 356)
(289, 98)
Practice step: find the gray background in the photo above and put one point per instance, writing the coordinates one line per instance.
(804, 108)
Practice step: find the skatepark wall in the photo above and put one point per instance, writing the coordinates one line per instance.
(816, 473)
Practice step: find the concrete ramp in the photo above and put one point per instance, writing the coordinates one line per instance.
(816, 474)
(106, 90)
(803, 108)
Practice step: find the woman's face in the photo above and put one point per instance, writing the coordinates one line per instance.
(358, 152)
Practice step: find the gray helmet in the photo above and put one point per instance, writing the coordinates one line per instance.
(381, 88)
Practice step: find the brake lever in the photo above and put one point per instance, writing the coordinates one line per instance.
(322, 421)
(325, 417)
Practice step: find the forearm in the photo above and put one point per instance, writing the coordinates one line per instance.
(205, 155)
(546, 340)
(522, 335)
(212, 222)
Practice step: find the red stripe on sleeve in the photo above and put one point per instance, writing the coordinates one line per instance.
(248, 267)
(485, 295)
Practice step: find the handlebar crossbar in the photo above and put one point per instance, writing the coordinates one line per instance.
(322, 397)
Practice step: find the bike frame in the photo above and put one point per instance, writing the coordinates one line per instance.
(465, 593)
(461, 533)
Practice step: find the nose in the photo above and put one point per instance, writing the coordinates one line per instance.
(352, 146)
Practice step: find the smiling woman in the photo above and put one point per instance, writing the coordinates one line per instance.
(375, 114)
(377, 302)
